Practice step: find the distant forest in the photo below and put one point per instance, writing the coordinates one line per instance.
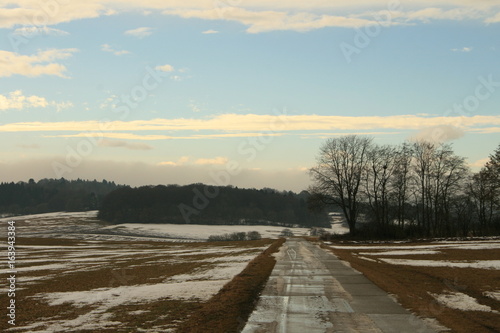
(202, 204)
(52, 195)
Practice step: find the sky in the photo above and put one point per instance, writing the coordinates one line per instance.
(240, 92)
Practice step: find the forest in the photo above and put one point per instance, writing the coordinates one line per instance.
(202, 204)
(52, 195)
(415, 189)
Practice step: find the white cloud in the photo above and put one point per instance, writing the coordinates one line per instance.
(237, 125)
(493, 19)
(258, 15)
(441, 133)
(108, 48)
(463, 49)
(17, 101)
(264, 21)
(123, 144)
(212, 161)
(141, 32)
(208, 32)
(32, 31)
(165, 68)
(36, 65)
(479, 163)
(181, 161)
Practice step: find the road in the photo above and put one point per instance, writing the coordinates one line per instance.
(311, 290)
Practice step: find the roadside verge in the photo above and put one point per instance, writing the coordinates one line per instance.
(229, 309)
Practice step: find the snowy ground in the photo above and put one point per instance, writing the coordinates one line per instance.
(93, 270)
(86, 226)
(479, 255)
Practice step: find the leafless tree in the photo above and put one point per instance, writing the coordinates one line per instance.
(337, 176)
(381, 166)
(440, 176)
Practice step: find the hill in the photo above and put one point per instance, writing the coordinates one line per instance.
(202, 204)
(52, 195)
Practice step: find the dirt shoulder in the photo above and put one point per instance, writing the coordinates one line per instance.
(230, 308)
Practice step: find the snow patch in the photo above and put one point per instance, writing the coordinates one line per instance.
(481, 264)
(460, 301)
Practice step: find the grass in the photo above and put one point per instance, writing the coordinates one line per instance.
(229, 310)
(412, 285)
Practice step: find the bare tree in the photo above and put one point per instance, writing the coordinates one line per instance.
(401, 183)
(337, 176)
(440, 175)
(381, 165)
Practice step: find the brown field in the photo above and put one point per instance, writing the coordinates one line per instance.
(104, 281)
(413, 285)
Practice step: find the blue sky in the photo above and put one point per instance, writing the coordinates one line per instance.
(149, 92)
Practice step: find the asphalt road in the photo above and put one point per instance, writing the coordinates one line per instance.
(311, 290)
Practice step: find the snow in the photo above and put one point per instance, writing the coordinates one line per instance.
(399, 252)
(465, 245)
(460, 301)
(481, 264)
(493, 294)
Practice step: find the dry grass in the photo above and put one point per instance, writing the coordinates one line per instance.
(229, 310)
(412, 284)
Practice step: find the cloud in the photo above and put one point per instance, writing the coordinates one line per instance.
(238, 125)
(212, 161)
(30, 32)
(108, 48)
(17, 101)
(493, 19)
(140, 32)
(36, 65)
(123, 144)
(208, 32)
(479, 163)
(442, 133)
(181, 161)
(265, 21)
(463, 49)
(153, 137)
(165, 68)
(258, 15)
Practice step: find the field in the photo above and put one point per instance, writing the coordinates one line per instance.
(456, 282)
(75, 275)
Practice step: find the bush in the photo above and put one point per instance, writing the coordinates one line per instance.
(286, 233)
(235, 236)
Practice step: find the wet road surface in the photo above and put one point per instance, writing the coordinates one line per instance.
(311, 290)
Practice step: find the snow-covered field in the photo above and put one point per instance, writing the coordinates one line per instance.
(86, 226)
(81, 274)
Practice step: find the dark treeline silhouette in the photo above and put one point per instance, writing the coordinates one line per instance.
(416, 189)
(201, 204)
(52, 195)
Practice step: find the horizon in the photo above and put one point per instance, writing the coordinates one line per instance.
(240, 92)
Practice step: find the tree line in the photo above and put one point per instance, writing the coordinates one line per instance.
(415, 189)
(230, 205)
(52, 195)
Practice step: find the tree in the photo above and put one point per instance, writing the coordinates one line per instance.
(380, 169)
(484, 190)
(440, 176)
(341, 164)
(401, 184)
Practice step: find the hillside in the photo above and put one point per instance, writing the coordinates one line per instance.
(201, 204)
(52, 195)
